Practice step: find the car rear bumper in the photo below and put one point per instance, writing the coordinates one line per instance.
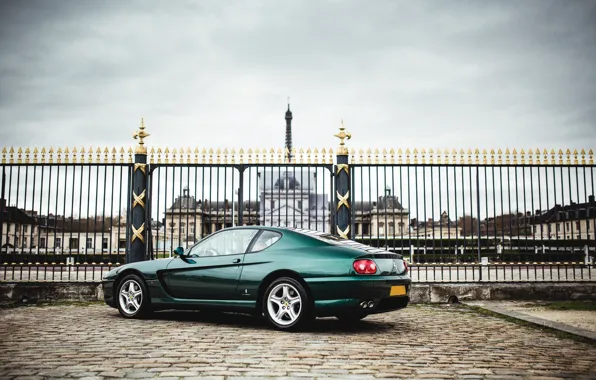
(108, 292)
(346, 294)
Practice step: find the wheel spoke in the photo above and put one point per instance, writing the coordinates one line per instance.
(275, 301)
(137, 293)
(286, 292)
(135, 303)
(292, 313)
(280, 313)
(123, 293)
(131, 287)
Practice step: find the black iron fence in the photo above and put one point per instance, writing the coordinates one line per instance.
(450, 209)
(64, 207)
(71, 216)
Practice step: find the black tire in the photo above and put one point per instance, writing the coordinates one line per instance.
(128, 294)
(351, 318)
(289, 289)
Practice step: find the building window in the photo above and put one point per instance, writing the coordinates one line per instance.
(567, 226)
(104, 244)
(73, 243)
(122, 244)
(42, 243)
(89, 243)
(58, 243)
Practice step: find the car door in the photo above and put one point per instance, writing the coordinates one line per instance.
(211, 268)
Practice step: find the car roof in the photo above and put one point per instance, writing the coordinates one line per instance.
(324, 236)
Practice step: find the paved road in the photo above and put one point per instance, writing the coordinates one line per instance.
(423, 341)
(422, 273)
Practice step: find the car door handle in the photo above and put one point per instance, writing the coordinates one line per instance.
(236, 261)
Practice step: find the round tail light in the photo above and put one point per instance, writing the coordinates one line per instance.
(365, 266)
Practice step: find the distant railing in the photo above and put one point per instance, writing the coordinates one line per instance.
(420, 273)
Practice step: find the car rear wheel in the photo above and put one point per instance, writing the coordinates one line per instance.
(286, 304)
(133, 297)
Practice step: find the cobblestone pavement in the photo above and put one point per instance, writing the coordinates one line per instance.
(422, 341)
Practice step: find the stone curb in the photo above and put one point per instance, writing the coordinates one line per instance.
(538, 321)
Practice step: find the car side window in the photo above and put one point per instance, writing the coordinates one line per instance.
(224, 243)
(267, 239)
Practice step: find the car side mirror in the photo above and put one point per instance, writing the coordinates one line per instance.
(179, 251)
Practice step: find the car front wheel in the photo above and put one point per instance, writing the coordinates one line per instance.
(286, 304)
(133, 297)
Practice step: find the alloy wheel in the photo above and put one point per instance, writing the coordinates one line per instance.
(130, 297)
(284, 304)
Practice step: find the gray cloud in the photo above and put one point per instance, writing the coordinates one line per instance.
(217, 73)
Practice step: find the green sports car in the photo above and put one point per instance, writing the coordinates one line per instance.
(288, 275)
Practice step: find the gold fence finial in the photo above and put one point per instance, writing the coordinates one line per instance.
(141, 134)
(342, 135)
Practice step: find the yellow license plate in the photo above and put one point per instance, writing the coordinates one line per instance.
(399, 290)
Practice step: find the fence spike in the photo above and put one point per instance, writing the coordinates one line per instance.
(591, 157)
(51, 155)
(211, 152)
(59, 155)
(11, 155)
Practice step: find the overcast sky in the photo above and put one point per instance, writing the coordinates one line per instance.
(402, 74)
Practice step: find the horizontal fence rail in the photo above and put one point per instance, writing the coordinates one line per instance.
(420, 273)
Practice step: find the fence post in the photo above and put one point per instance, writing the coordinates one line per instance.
(478, 220)
(342, 186)
(138, 245)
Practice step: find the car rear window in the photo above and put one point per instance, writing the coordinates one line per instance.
(267, 239)
(336, 240)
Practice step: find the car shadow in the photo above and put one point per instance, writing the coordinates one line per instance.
(320, 325)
